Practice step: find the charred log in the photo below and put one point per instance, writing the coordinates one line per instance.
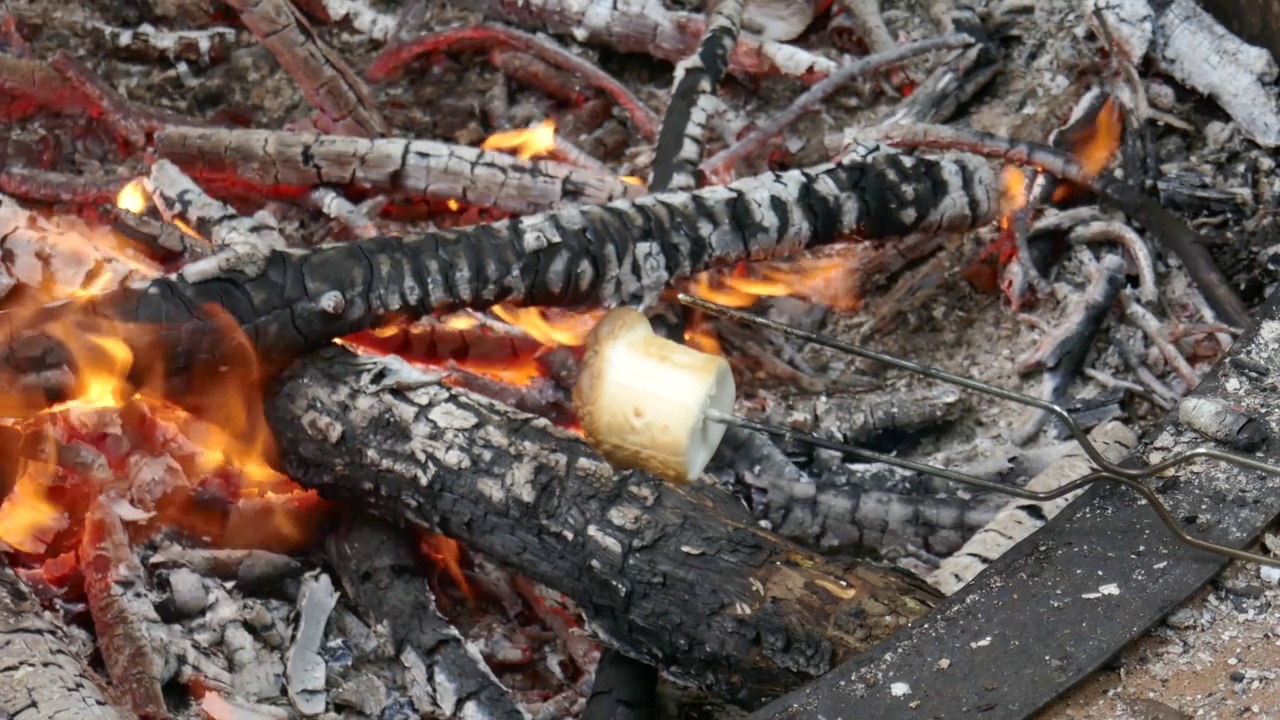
(627, 252)
(678, 577)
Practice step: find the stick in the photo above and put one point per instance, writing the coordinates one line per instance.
(812, 98)
(696, 78)
(1186, 244)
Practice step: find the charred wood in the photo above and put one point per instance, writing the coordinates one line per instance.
(272, 160)
(42, 674)
(624, 689)
(678, 577)
(697, 78)
(379, 573)
(624, 253)
(646, 26)
(327, 81)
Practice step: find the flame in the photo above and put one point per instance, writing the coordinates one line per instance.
(28, 516)
(447, 553)
(528, 143)
(551, 327)
(133, 197)
(1096, 147)
(631, 179)
(1013, 194)
(748, 282)
(224, 423)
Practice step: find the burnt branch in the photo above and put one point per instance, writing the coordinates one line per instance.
(647, 27)
(624, 253)
(328, 83)
(678, 577)
(270, 159)
(697, 77)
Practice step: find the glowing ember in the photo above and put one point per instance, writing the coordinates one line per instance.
(551, 327)
(527, 143)
(226, 431)
(631, 179)
(133, 197)
(453, 205)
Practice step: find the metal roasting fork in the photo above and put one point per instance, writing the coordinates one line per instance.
(1110, 472)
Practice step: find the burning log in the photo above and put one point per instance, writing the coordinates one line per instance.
(678, 577)
(42, 672)
(624, 253)
(697, 78)
(273, 160)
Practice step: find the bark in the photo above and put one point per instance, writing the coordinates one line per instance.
(42, 676)
(270, 159)
(678, 577)
(624, 253)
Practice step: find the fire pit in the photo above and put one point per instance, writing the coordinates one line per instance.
(293, 298)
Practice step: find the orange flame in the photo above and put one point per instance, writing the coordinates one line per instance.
(1097, 146)
(1013, 194)
(549, 326)
(133, 197)
(226, 424)
(528, 143)
(447, 553)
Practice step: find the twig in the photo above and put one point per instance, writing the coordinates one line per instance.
(1062, 352)
(1186, 243)
(328, 83)
(1155, 331)
(393, 60)
(335, 205)
(812, 98)
(527, 69)
(165, 242)
(55, 187)
(869, 24)
(1104, 231)
(697, 77)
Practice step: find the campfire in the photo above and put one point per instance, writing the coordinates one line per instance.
(297, 296)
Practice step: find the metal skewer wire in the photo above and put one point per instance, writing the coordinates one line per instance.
(1108, 471)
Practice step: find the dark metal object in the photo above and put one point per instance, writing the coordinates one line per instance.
(1257, 21)
(1037, 621)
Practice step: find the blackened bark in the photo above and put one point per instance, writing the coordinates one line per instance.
(627, 252)
(679, 577)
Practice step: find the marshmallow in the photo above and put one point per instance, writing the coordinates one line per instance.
(642, 399)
